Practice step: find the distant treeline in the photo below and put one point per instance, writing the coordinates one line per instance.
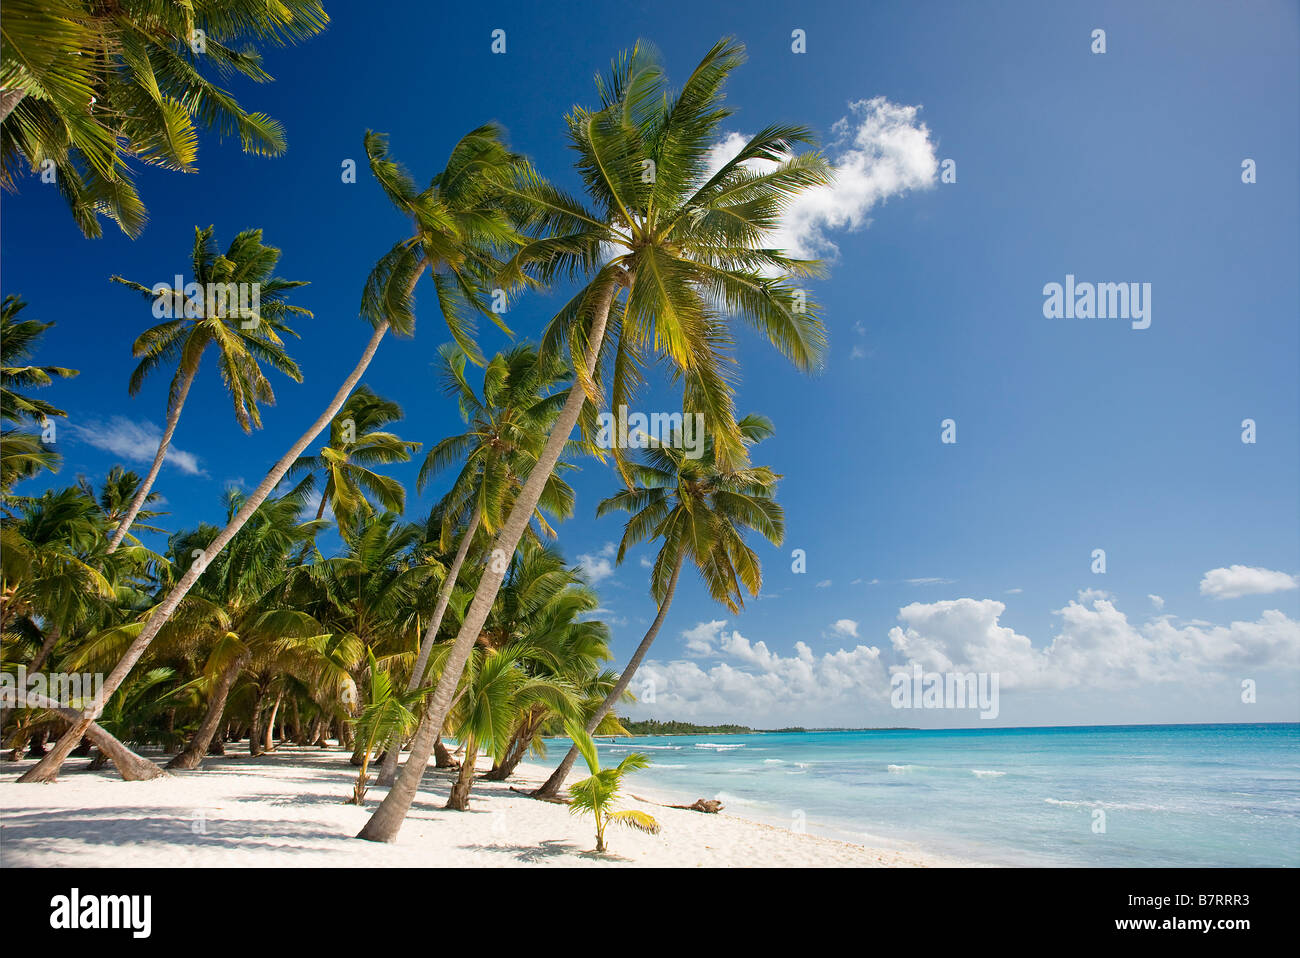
(655, 727)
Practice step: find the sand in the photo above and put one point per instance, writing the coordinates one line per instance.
(288, 809)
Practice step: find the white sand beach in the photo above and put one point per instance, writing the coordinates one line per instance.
(288, 809)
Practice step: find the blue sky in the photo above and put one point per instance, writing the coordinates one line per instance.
(1072, 435)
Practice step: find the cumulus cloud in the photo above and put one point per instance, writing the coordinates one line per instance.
(845, 627)
(599, 565)
(703, 638)
(135, 442)
(1157, 601)
(879, 150)
(1097, 651)
(1238, 580)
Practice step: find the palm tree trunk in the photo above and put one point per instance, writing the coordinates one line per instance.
(8, 100)
(255, 733)
(503, 769)
(458, 800)
(389, 770)
(270, 722)
(551, 787)
(51, 640)
(441, 757)
(47, 769)
(142, 493)
(133, 767)
(388, 817)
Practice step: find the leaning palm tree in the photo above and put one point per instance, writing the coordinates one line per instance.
(461, 226)
(244, 338)
(508, 424)
(674, 256)
(700, 510)
(358, 441)
(87, 87)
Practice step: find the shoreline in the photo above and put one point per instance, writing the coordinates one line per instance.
(288, 809)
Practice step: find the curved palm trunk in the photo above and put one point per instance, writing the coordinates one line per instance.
(192, 754)
(388, 817)
(551, 787)
(503, 769)
(47, 769)
(141, 494)
(133, 767)
(389, 770)
(441, 757)
(458, 800)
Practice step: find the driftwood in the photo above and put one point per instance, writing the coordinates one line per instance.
(710, 806)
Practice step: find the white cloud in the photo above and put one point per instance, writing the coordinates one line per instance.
(824, 584)
(1156, 600)
(600, 565)
(930, 580)
(845, 627)
(1097, 651)
(647, 563)
(1014, 591)
(880, 150)
(701, 639)
(135, 442)
(1238, 580)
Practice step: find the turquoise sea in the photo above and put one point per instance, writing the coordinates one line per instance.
(1214, 795)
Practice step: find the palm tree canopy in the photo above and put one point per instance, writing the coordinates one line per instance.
(18, 343)
(461, 231)
(89, 87)
(357, 441)
(701, 509)
(687, 243)
(244, 340)
(508, 424)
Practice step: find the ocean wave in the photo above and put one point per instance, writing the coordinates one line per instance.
(985, 773)
(899, 769)
(717, 747)
(1112, 806)
(773, 761)
(645, 748)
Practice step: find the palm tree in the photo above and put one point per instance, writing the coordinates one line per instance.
(507, 424)
(244, 339)
(358, 441)
(598, 793)
(24, 454)
(116, 495)
(686, 247)
(386, 715)
(88, 86)
(699, 509)
(18, 342)
(241, 607)
(496, 690)
(459, 220)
